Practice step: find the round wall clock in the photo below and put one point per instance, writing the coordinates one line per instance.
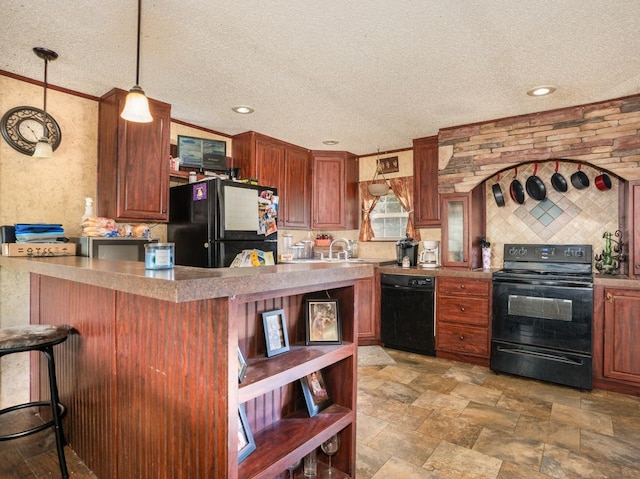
(22, 127)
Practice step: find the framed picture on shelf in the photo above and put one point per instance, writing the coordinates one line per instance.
(246, 443)
(275, 332)
(315, 393)
(323, 321)
(242, 365)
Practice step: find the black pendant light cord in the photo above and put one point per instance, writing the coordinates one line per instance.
(138, 50)
(46, 55)
(46, 69)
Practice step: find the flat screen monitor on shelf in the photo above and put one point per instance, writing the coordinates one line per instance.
(202, 153)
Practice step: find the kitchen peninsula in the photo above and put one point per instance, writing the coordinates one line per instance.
(150, 373)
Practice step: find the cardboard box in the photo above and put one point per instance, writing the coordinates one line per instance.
(39, 249)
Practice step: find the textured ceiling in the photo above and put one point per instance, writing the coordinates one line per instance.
(372, 74)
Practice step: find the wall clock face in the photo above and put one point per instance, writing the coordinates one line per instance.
(23, 126)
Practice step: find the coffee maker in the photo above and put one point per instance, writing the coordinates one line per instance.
(407, 247)
(429, 256)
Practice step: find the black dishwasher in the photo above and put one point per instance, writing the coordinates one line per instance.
(407, 313)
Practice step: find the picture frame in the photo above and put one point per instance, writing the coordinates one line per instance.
(242, 365)
(275, 332)
(315, 392)
(246, 443)
(322, 320)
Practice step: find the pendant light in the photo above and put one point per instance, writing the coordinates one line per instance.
(378, 189)
(44, 149)
(136, 108)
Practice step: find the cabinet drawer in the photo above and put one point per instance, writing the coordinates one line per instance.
(463, 309)
(460, 339)
(475, 287)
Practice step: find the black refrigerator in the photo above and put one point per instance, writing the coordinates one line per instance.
(213, 220)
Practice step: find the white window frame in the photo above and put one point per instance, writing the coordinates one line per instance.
(373, 216)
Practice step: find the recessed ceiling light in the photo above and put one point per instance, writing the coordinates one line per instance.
(330, 142)
(541, 90)
(243, 110)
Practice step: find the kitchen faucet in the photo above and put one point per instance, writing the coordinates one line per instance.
(346, 243)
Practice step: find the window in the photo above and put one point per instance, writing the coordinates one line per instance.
(389, 219)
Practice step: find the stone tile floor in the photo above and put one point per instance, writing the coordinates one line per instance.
(425, 417)
(431, 418)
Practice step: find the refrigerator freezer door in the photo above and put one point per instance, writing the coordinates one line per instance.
(240, 209)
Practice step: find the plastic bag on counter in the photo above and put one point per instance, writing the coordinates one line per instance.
(253, 257)
(98, 226)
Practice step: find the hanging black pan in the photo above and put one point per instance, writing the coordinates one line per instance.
(558, 181)
(579, 179)
(535, 186)
(516, 190)
(497, 192)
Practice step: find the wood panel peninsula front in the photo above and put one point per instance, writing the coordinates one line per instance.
(150, 373)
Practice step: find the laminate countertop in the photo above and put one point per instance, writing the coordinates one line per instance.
(184, 283)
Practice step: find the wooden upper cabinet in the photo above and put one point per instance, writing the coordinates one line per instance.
(463, 226)
(133, 162)
(297, 184)
(282, 165)
(270, 163)
(426, 200)
(335, 190)
(630, 221)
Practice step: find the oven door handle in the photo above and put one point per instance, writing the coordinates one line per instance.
(545, 282)
(550, 357)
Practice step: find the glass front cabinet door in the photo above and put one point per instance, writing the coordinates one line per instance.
(463, 227)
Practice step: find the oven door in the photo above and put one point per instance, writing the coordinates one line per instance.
(548, 316)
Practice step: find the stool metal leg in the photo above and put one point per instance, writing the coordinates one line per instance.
(53, 387)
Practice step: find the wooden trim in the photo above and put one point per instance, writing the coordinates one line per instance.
(49, 85)
(387, 152)
(201, 128)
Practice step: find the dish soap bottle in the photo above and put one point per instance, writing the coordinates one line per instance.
(88, 208)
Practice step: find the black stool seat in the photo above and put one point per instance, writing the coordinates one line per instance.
(38, 338)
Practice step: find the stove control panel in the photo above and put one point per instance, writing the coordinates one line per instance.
(566, 253)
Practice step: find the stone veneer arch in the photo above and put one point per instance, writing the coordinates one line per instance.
(605, 135)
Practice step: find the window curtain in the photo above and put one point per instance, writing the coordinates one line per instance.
(368, 203)
(403, 189)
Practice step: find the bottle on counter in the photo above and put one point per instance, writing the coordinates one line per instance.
(88, 209)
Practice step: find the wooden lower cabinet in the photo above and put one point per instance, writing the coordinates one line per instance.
(152, 386)
(463, 319)
(616, 354)
(369, 311)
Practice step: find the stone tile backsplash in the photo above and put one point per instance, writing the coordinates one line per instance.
(577, 216)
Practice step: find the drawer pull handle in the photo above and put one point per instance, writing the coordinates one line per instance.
(462, 286)
(461, 308)
(461, 338)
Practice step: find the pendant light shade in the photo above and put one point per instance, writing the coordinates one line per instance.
(136, 107)
(44, 149)
(378, 189)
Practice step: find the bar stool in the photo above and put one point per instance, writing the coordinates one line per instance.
(38, 338)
